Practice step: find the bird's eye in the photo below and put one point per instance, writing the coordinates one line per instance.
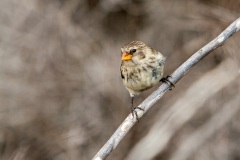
(133, 51)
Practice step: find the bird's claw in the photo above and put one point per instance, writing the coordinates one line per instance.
(134, 112)
(166, 80)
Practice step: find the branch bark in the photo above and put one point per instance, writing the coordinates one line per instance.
(127, 124)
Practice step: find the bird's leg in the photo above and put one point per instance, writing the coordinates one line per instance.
(132, 108)
(134, 112)
(166, 80)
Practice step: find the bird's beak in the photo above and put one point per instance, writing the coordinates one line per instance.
(126, 57)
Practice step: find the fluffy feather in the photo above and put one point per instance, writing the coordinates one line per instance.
(144, 70)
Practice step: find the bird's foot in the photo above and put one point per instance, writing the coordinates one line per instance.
(166, 80)
(134, 112)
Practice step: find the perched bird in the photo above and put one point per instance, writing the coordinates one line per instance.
(141, 68)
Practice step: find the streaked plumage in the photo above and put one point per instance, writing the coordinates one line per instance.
(141, 68)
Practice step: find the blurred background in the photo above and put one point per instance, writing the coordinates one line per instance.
(61, 93)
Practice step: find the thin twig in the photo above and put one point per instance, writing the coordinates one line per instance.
(156, 95)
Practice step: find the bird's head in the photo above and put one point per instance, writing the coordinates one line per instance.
(135, 52)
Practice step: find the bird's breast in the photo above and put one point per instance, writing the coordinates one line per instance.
(140, 78)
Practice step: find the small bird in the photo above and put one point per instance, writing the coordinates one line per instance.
(141, 69)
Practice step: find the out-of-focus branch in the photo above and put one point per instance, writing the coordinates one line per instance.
(194, 141)
(156, 95)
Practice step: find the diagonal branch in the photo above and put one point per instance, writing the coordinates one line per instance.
(183, 109)
(156, 95)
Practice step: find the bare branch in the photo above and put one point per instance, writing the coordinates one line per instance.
(181, 111)
(156, 95)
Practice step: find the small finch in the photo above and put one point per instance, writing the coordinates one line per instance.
(141, 69)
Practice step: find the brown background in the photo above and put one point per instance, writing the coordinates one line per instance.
(61, 94)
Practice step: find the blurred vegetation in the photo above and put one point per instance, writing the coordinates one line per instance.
(61, 94)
